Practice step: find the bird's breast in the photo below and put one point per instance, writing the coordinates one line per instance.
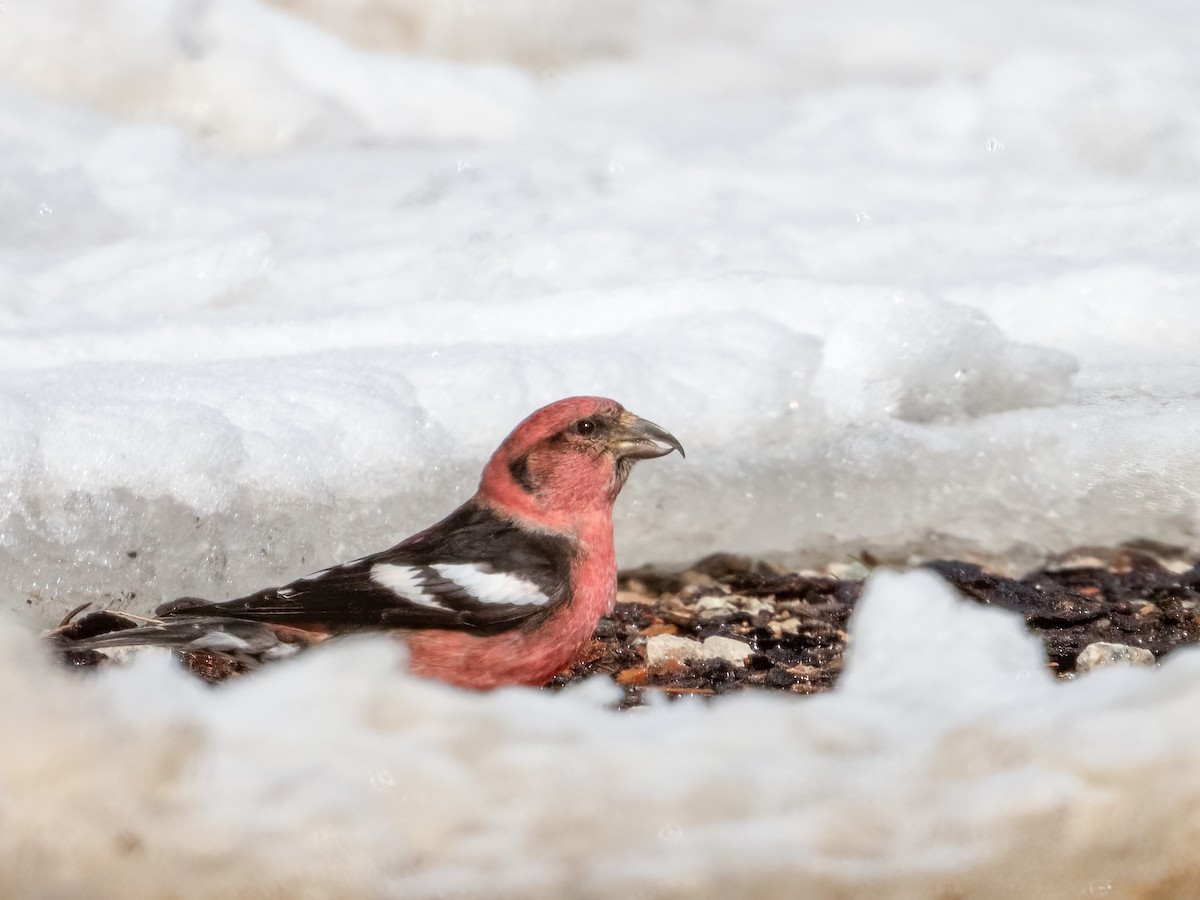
(521, 656)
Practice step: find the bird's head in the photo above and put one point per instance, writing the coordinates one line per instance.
(570, 458)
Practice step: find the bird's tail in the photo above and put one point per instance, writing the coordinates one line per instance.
(213, 647)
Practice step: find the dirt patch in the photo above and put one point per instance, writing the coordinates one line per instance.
(729, 623)
(793, 625)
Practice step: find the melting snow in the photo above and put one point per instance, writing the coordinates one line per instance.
(275, 279)
(965, 764)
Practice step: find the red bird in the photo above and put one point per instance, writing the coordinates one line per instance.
(504, 590)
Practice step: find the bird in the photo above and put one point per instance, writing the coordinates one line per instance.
(506, 589)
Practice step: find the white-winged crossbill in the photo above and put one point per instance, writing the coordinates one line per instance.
(504, 590)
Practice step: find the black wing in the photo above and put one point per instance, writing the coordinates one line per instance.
(475, 570)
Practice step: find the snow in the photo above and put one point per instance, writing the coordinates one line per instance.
(917, 279)
(276, 280)
(336, 774)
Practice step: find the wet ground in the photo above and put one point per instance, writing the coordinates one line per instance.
(729, 623)
(793, 625)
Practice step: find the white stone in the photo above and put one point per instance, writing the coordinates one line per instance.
(663, 649)
(1102, 653)
(727, 648)
(711, 607)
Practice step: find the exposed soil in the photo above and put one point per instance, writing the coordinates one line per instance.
(784, 630)
(794, 625)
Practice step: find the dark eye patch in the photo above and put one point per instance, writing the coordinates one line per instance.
(519, 469)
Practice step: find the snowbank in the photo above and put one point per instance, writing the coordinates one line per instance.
(948, 755)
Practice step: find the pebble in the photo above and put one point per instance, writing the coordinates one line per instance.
(666, 649)
(694, 579)
(787, 626)
(727, 604)
(851, 571)
(1102, 653)
(711, 607)
(732, 649)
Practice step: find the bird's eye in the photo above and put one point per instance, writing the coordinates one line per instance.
(585, 426)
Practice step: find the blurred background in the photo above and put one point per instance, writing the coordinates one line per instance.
(910, 279)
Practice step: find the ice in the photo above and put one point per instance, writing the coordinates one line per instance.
(912, 279)
(276, 279)
(336, 774)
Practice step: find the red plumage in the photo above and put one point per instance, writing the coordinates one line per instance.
(504, 590)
